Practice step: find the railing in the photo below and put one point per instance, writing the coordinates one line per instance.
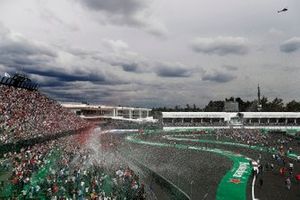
(19, 84)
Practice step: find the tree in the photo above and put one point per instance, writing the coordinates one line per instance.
(194, 108)
(214, 106)
(293, 106)
(277, 105)
(187, 108)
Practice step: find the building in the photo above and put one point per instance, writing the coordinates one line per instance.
(94, 112)
(231, 106)
(269, 120)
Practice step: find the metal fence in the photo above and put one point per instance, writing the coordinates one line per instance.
(19, 84)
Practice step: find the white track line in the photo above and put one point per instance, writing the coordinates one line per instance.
(253, 185)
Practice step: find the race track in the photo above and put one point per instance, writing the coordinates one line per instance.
(204, 169)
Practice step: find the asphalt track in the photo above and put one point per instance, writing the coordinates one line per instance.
(274, 185)
(201, 173)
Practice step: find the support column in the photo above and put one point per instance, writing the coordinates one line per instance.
(277, 121)
(147, 113)
(140, 113)
(258, 120)
(268, 120)
(286, 121)
(130, 114)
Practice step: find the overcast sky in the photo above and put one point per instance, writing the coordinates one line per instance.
(153, 52)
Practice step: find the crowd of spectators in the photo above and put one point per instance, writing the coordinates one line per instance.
(68, 168)
(256, 137)
(194, 124)
(208, 122)
(28, 114)
(246, 136)
(126, 124)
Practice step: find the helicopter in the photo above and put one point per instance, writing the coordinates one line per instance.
(283, 10)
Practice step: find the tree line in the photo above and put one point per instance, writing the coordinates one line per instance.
(274, 105)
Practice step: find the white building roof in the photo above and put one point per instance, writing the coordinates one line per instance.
(87, 106)
(228, 115)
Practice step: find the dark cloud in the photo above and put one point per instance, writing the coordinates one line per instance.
(18, 53)
(221, 46)
(290, 45)
(40, 61)
(117, 7)
(172, 71)
(67, 77)
(219, 77)
(52, 84)
(134, 13)
(78, 94)
(135, 67)
(130, 67)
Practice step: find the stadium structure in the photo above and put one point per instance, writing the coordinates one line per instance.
(97, 112)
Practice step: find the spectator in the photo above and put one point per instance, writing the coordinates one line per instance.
(28, 114)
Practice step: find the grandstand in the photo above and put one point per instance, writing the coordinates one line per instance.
(268, 120)
(94, 112)
(48, 152)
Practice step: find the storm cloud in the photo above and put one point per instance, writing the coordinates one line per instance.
(43, 61)
(172, 71)
(221, 45)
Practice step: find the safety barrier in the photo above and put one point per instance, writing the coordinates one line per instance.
(175, 192)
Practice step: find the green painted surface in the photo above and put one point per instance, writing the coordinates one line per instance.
(233, 185)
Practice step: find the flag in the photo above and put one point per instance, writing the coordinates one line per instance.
(6, 75)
